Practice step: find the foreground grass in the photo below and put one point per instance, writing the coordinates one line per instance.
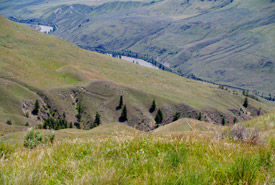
(146, 159)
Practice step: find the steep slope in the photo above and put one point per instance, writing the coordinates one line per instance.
(61, 76)
(227, 41)
(232, 45)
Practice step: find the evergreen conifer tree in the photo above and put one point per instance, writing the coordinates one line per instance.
(36, 107)
(159, 117)
(176, 116)
(79, 111)
(245, 104)
(153, 106)
(97, 120)
(223, 121)
(199, 117)
(123, 116)
(235, 120)
(120, 102)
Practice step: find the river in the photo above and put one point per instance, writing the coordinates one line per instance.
(137, 61)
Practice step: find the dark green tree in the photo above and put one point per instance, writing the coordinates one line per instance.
(245, 103)
(259, 111)
(97, 120)
(64, 115)
(199, 117)
(176, 116)
(223, 121)
(235, 120)
(79, 112)
(153, 107)
(9, 122)
(120, 102)
(159, 117)
(123, 116)
(71, 125)
(36, 108)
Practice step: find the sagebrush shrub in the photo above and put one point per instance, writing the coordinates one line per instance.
(34, 138)
(243, 134)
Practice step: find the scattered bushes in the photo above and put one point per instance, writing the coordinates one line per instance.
(34, 138)
(243, 134)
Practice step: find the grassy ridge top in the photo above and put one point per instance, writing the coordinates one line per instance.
(185, 125)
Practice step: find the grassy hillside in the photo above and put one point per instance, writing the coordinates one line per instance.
(225, 41)
(186, 125)
(61, 75)
(99, 156)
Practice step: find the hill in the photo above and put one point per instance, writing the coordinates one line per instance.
(36, 66)
(99, 156)
(186, 125)
(230, 42)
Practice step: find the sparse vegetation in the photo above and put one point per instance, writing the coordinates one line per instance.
(66, 78)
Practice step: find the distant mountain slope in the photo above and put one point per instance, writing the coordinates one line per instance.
(61, 76)
(227, 41)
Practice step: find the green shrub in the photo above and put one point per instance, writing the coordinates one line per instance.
(34, 138)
